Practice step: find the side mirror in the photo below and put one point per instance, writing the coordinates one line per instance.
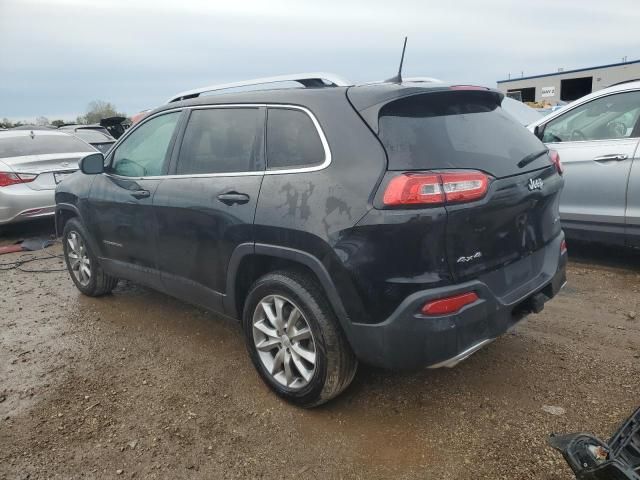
(538, 131)
(92, 164)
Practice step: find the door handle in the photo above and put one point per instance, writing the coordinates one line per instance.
(613, 156)
(230, 198)
(139, 194)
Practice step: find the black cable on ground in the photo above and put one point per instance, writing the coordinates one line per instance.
(17, 264)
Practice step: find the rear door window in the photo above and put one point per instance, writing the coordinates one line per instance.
(223, 140)
(456, 129)
(293, 140)
(41, 144)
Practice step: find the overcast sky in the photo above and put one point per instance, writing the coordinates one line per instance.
(58, 55)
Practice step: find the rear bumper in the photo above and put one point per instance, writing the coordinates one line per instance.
(19, 203)
(408, 339)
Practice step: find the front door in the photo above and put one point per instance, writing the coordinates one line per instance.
(206, 207)
(597, 143)
(121, 199)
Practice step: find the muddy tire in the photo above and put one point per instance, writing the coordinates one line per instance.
(82, 264)
(295, 341)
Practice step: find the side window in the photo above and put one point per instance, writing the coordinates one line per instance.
(292, 140)
(609, 117)
(143, 153)
(222, 140)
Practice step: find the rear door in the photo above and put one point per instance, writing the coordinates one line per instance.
(206, 208)
(597, 142)
(462, 130)
(120, 202)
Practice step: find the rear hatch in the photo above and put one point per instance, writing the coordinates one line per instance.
(465, 130)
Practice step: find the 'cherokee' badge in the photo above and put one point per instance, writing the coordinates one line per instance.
(535, 184)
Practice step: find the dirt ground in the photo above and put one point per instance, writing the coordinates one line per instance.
(137, 384)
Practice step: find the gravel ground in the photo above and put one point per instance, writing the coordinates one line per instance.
(137, 384)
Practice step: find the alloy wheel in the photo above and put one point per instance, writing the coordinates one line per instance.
(79, 261)
(284, 341)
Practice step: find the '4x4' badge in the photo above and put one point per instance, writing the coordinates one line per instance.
(535, 184)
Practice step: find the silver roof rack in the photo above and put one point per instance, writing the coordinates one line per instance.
(316, 79)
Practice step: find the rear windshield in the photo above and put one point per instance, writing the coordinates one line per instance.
(457, 129)
(92, 136)
(41, 145)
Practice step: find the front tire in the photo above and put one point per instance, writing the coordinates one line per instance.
(82, 264)
(294, 339)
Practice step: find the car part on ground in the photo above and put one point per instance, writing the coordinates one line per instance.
(32, 163)
(592, 459)
(598, 139)
(418, 217)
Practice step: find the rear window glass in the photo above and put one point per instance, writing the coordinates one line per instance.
(92, 136)
(222, 140)
(292, 140)
(41, 144)
(464, 129)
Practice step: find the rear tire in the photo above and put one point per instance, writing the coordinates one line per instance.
(321, 362)
(82, 264)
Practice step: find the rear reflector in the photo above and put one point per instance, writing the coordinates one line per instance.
(555, 159)
(563, 246)
(449, 305)
(430, 189)
(9, 178)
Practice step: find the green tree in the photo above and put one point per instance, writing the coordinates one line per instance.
(97, 110)
(58, 123)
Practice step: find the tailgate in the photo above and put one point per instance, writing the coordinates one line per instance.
(518, 216)
(455, 131)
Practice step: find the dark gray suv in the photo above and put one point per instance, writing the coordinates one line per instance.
(403, 225)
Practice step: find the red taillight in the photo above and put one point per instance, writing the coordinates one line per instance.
(412, 189)
(8, 178)
(429, 189)
(563, 247)
(555, 159)
(464, 187)
(448, 305)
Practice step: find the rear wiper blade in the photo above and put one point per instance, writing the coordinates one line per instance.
(531, 157)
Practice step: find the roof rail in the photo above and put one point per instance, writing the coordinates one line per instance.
(316, 79)
(626, 81)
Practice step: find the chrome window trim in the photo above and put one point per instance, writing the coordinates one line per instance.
(314, 120)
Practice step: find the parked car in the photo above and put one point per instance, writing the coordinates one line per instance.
(402, 225)
(96, 138)
(597, 138)
(32, 163)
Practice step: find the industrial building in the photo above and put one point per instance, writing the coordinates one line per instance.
(568, 85)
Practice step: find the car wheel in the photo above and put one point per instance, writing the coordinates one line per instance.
(82, 264)
(294, 339)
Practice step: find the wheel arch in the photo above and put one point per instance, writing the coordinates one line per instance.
(250, 261)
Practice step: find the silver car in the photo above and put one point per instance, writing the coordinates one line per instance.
(597, 138)
(32, 163)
